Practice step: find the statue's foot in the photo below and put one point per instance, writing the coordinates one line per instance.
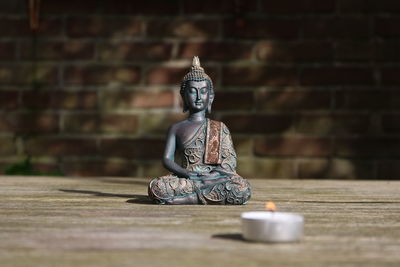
(171, 190)
(191, 199)
(235, 191)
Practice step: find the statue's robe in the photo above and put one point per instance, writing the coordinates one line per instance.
(210, 149)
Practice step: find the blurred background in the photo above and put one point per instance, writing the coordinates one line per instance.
(308, 88)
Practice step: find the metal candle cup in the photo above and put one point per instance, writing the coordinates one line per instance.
(267, 226)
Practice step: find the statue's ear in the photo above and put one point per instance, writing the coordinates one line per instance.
(185, 107)
(210, 101)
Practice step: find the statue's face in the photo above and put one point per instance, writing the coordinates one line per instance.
(197, 95)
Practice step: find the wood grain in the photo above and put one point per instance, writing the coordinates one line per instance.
(48, 221)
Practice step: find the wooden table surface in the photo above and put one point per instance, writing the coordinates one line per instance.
(64, 221)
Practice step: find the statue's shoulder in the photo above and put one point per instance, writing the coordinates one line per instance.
(223, 126)
(176, 126)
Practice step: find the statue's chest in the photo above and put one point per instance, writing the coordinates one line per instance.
(192, 151)
(188, 134)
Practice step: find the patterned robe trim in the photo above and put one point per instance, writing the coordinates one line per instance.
(228, 154)
(212, 154)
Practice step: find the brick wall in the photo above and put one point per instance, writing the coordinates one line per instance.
(309, 88)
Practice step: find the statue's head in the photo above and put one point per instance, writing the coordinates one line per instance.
(197, 89)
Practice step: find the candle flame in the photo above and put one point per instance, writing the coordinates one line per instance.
(270, 206)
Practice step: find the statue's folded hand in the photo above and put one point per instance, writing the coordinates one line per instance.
(194, 175)
(213, 174)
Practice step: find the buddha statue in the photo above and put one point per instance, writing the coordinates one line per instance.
(207, 174)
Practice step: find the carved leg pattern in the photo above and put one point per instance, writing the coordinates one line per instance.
(235, 191)
(172, 190)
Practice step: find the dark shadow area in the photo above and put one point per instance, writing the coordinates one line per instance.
(140, 199)
(346, 202)
(124, 181)
(234, 237)
(96, 193)
(137, 199)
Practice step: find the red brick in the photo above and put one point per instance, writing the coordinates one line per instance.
(259, 76)
(60, 146)
(12, 7)
(8, 74)
(59, 99)
(336, 169)
(135, 51)
(389, 169)
(100, 123)
(233, 101)
(31, 122)
(293, 146)
(21, 74)
(298, 7)
(7, 51)
(370, 6)
(352, 124)
(337, 76)
(152, 169)
(9, 99)
(223, 51)
(367, 99)
(384, 6)
(57, 50)
(258, 124)
(19, 27)
(388, 51)
(243, 145)
(7, 147)
(262, 28)
(103, 27)
(390, 76)
(293, 100)
(170, 75)
(368, 147)
(96, 74)
(219, 7)
(99, 168)
(158, 123)
(304, 51)
(352, 6)
(109, 7)
(69, 7)
(154, 7)
(38, 167)
(266, 168)
(387, 27)
(337, 124)
(4, 164)
(182, 28)
(391, 123)
(137, 99)
(315, 124)
(47, 168)
(142, 149)
(355, 51)
(340, 28)
(165, 75)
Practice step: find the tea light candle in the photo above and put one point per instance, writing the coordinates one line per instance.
(269, 226)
